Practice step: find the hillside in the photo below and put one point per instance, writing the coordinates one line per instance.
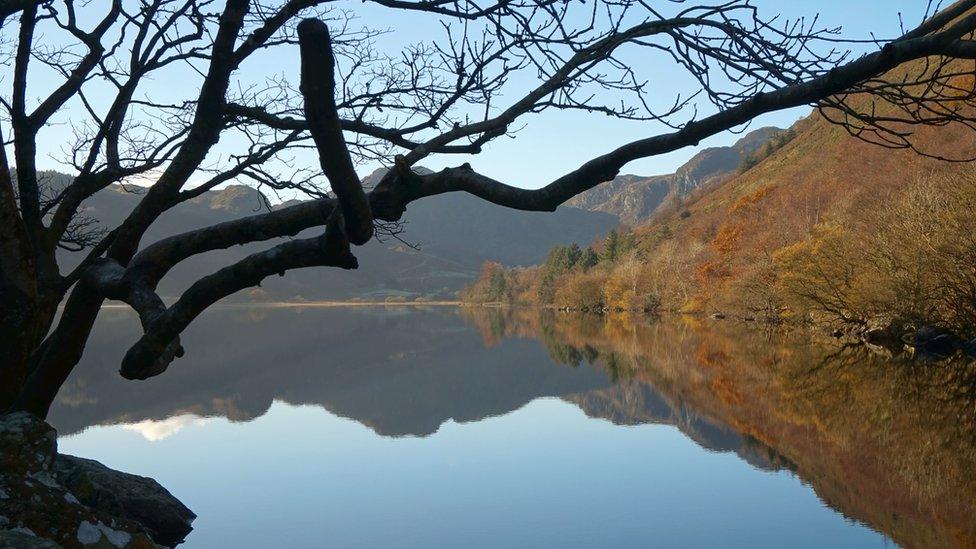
(827, 228)
(449, 235)
(634, 198)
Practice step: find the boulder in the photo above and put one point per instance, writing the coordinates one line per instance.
(27, 445)
(38, 509)
(132, 497)
(933, 342)
(969, 348)
(24, 539)
(884, 333)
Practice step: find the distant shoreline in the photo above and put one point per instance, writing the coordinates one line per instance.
(323, 304)
(291, 304)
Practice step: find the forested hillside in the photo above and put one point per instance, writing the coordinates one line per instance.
(827, 228)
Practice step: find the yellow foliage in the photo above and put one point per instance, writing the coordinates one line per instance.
(580, 290)
(619, 294)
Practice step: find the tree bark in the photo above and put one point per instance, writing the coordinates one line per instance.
(18, 292)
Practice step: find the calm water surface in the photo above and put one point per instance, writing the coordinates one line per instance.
(443, 427)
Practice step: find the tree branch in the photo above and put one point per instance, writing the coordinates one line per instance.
(318, 91)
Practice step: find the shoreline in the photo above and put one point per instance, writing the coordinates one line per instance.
(320, 304)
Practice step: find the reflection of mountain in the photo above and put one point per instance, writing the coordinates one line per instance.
(637, 403)
(880, 442)
(398, 372)
(401, 373)
(885, 443)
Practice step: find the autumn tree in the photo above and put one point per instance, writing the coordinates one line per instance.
(491, 285)
(168, 96)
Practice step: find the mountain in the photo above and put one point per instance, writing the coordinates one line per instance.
(446, 239)
(816, 227)
(824, 228)
(635, 198)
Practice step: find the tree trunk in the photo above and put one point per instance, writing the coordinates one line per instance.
(16, 322)
(18, 293)
(60, 352)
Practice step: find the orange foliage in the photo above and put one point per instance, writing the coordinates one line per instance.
(727, 239)
(751, 199)
(712, 270)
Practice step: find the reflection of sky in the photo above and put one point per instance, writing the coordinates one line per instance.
(156, 430)
(545, 475)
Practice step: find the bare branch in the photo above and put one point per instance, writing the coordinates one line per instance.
(318, 89)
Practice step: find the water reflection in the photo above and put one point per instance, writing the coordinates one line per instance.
(887, 444)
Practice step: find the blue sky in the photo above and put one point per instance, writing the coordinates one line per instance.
(549, 158)
(554, 142)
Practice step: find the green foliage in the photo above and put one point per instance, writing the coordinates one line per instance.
(611, 247)
(573, 254)
(617, 244)
(496, 285)
(490, 287)
(547, 289)
(561, 259)
(588, 259)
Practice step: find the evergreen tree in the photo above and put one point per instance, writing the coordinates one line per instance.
(588, 259)
(496, 285)
(611, 247)
(573, 254)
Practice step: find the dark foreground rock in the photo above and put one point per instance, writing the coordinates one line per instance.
(132, 497)
(969, 348)
(51, 500)
(933, 342)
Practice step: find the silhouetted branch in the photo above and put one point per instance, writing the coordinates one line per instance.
(451, 94)
(318, 90)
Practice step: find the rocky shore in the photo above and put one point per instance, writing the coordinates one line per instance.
(54, 500)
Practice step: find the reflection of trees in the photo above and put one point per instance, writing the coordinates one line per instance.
(888, 442)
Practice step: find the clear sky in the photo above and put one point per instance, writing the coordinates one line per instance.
(552, 143)
(540, 157)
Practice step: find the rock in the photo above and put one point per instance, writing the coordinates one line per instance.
(27, 445)
(24, 539)
(37, 509)
(137, 498)
(969, 348)
(887, 340)
(933, 342)
(884, 332)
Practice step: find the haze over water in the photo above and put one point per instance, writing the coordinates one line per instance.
(413, 427)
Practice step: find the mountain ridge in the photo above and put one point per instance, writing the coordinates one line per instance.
(634, 198)
(447, 238)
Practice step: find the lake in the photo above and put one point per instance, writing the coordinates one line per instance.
(438, 427)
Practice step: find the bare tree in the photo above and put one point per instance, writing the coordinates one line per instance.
(355, 103)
